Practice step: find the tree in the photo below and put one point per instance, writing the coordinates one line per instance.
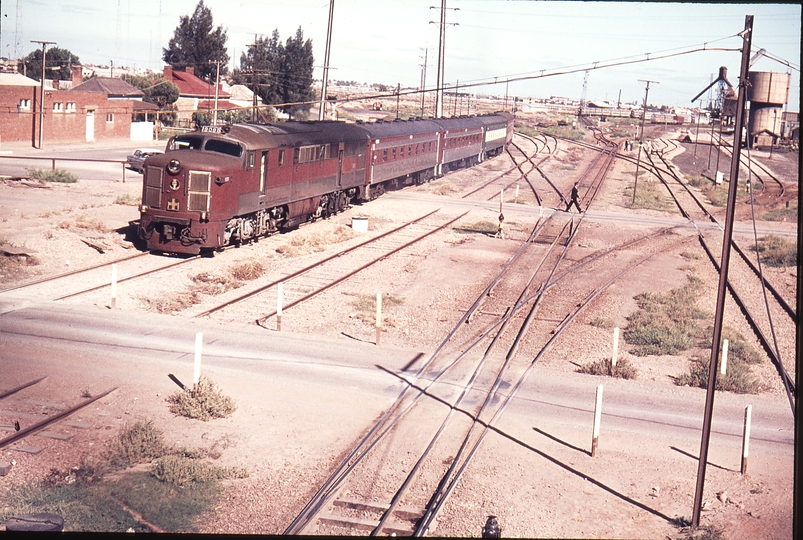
(195, 43)
(59, 62)
(281, 73)
(157, 90)
(296, 74)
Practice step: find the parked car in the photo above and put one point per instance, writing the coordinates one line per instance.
(136, 161)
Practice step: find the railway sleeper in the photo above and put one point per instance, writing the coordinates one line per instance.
(362, 517)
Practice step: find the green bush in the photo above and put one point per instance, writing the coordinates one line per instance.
(54, 175)
(203, 401)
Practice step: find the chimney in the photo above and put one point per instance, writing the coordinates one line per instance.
(190, 70)
(168, 73)
(77, 74)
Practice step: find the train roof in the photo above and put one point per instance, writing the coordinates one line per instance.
(295, 133)
(399, 127)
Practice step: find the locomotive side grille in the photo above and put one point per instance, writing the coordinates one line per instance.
(153, 187)
(199, 184)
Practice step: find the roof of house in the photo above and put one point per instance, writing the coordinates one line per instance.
(112, 86)
(221, 104)
(16, 79)
(191, 86)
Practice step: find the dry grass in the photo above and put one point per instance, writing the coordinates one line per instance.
(314, 241)
(247, 271)
(136, 444)
(127, 200)
(213, 284)
(183, 471)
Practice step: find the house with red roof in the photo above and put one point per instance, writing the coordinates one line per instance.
(195, 94)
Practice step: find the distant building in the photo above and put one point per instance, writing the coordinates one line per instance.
(194, 94)
(69, 115)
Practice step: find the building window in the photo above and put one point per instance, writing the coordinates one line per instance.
(110, 117)
(57, 107)
(25, 104)
(70, 107)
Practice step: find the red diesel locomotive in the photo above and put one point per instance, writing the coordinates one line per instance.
(230, 184)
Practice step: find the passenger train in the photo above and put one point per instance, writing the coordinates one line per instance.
(230, 184)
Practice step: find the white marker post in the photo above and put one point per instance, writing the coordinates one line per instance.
(597, 418)
(199, 343)
(501, 199)
(615, 346)
(279, 295)
(516, 198)
(723, 365)
(748, 413)
(378, 317)
(114, 286)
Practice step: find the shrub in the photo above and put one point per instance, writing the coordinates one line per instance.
(602, 322)
(182, 471)
(777, 251)
(203, 401)
(737, 346)
(738, 379)
(139, 443)
(247, 271)
(481, 227)
(127, 200)
(622, 370)
(53, 175)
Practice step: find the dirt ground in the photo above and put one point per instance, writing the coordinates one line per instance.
(56, 226)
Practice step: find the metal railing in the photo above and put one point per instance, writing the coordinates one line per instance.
(54, 159)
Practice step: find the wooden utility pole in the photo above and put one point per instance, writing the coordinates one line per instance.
(441, 55)
(641, 138)
(217, 86)
(746, 35)
(325, 80)
(42, 90)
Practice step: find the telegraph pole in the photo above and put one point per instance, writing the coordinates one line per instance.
(325, 82)
(746, 35)
(423, 80)
(42, 90)
(441, 53)
(254, 78)
(217, 86)
(641, 137)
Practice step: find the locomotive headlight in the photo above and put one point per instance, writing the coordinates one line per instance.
(174, 166)
(143, 208)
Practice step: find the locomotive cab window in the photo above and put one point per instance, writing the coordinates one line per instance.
(281, 158)
(228, 148)
(186, 143)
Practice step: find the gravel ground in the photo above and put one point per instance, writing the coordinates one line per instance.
(435, 282)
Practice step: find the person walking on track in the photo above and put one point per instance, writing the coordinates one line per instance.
(575, 200)
(500, 231)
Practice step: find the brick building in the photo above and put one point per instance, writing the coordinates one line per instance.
(69, 116)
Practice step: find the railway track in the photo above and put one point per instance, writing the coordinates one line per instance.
(460, 383)
(314, 279)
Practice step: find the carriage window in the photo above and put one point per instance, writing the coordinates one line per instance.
(416, 149)
(263, 172)
(281, 158)
(385, 154)
(250, 160)
(409, 150)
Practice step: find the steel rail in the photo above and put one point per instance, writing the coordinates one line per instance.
(489, 182)
(129, 278)
(44, 423)
(72, 273)
(21, 387)
(524, 175)
(264, 318)
(544, 176)
(310, 267)
(424, 524)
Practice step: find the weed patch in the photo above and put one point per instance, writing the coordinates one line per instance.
(666, 323)
(786, 213)
(649, 195)
(247, 271)
(53, 175)
(777, 251)
(623, 369)
(127, 200)
(204, 401)
(315, 242)
(91, 224)
(367, 303)
(602, 322)
(182, 471)
(738, 379)
(137, 444)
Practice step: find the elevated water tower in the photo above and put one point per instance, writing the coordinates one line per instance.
(768, 93)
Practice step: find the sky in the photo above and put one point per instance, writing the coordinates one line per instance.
(530, 48)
